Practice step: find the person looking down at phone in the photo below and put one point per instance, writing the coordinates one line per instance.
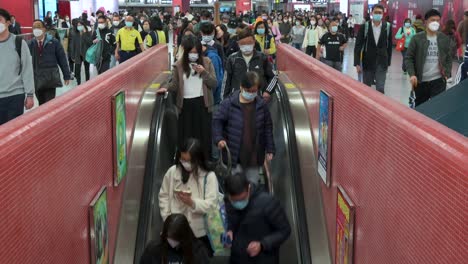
(193, 79)
(183, 189)
(257, 223)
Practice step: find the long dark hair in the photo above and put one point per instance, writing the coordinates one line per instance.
(449, 27)
(178, 228)
(188, 43)
(197, 155)
(267, 29)
(226, 36)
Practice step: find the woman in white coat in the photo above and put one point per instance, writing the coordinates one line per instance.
(183, 189)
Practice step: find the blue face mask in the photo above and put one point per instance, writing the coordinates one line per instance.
(407, 24)
(129, 24)
(334, 29)
(240, 205)
(204, 21)
(378, 17)
(249, 96)
(80, 28)
(261, 31)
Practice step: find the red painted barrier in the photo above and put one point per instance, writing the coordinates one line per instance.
(407, 174)
(54, 159)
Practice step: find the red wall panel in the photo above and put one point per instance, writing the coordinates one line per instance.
(407, 174)
(23, 10)
(54, 160)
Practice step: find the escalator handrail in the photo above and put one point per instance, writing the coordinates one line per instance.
(152, 153)
(295, 173)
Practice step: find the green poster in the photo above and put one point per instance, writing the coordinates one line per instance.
(120, 137)
(99, 229)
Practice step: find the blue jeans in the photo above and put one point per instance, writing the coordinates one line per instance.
(11, 107)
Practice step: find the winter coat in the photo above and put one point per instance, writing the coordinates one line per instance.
(263, 220)
(153, 252)
(228, 125)
(403, 33)
(169, 204)
(108, 38)
(209, 83)
(266, 43)
(78, 45)
(236, 68)
(46, 73)
(417, 53)
(213, 55)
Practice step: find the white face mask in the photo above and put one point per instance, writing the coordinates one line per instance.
(37, 32)
(173, 243)
(246, 49)
(434, 26)
(193, 57)
(2, 27)
(187, 165)
(101, 26)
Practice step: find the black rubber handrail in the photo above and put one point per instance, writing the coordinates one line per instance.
(298, 194)
(152, 153)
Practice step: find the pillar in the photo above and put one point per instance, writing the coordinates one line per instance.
(180, 5)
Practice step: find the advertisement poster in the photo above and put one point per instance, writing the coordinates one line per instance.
(324, 140)
(99, 234)
(120, 137)
(345, 211)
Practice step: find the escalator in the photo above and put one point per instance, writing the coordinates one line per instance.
(284, 181)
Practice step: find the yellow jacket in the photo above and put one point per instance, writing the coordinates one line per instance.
(269, 44)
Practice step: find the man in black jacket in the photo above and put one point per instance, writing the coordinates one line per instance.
(15, 27)
(373, 50)
(108, 41)
(245, 60)
(257, 223)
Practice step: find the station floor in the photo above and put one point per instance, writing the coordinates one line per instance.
(397, 86)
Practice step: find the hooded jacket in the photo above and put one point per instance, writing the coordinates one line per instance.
(263, 220)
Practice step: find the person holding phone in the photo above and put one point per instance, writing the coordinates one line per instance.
(183, 189)
(193, 79)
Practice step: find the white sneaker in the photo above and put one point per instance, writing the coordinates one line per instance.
(449, 80)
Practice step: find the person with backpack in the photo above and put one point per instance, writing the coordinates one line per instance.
(257, 222)
(16, 73)
(406, 32)
(190, 188)
(243, 123)
(265, 40)
(47, 55)
(106, 35)
(207, 31)
(428, 60)
(246, 60)
(156, 34)
(373, 49)
(334, 45)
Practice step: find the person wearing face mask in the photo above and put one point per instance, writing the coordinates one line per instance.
(284, 28)
(80, 39)
(257, 222)
(334, 44)
(246, 60)
(373, 49)
(208, 38)
(145, 29)
(204, 18)
(107, 37)
(193, 80)
(351, 23)
(311, 38)
(274, 30)
(223, 36)
(184, 191)
(297, 34)
(16, 73)
(225, 19)
(243, 123)
(15, 27)
(47, 55)
(428, 60)
(265, 39)
(128, 39)
(407, 32)
(66, 22)
(321, 28)
(178, 244)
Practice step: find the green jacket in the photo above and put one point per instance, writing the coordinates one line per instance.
(417, 52)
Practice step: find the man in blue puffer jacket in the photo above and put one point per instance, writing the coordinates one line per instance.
(243, 123)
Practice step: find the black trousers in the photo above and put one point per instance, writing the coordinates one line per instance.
(311, 50)
(78, 70)
(195, 122)
(11, 107)
(427, 90)
(105, 65)
(126, 55)
(45, 95)
(206, 242)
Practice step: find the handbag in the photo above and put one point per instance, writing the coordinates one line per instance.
(221, 169)
(47, 78)
(94, 53)
(400, 45)
(216, 224)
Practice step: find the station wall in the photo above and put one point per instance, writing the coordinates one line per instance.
(407, 174)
